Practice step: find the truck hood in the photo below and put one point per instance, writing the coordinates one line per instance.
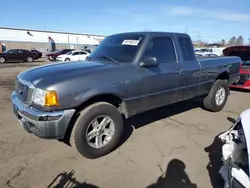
(58, 71)
(235, 50)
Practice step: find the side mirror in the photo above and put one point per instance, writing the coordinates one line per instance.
(149, 62)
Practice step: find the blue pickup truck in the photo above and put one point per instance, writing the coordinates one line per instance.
(127, 74)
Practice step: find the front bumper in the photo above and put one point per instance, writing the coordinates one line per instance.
(240, 87)
(59, 59)
(242, 83)
(52, 125)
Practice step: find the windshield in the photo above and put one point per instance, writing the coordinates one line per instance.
(246, 63)
(69, 53)
(204, 50)
(9, 51)
(245, 56)
(121, 48)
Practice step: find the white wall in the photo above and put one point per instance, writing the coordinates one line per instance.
(7, 34)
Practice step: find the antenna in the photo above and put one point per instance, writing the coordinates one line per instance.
(199, 36)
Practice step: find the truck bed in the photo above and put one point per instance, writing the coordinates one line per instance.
(223, 60)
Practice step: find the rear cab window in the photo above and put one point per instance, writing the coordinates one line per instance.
(186, 49)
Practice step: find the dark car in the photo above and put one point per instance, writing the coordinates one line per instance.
(126, 74)
(39, 54)
(53, 55)
(17, 55)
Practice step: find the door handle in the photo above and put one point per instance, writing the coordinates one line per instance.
(178, 71)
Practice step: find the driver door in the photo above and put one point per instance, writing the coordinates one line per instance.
(160, 84)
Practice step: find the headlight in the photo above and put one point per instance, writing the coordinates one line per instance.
(45, 98)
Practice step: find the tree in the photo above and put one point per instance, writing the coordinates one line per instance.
(223, 42)
(249, 41)
(239, 40)
(232, 41)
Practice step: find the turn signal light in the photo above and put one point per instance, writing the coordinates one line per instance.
(51, 98)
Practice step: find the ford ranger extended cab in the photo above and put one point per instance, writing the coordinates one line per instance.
(127, 74)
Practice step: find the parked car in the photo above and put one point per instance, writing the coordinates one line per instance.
(53, 55)
(127, 74)
(39, 54)
(89, 48)
(244, 53)
(14, 55)
(236, 153)
(76, 55)
(206, 55)
(207, 51)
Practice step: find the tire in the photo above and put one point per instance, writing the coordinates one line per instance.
(2, 60)
(51, 58)
(80, 130)
(210, 103)
(29, 59)
(67, 59)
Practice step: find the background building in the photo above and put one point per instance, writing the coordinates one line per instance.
(41, 40)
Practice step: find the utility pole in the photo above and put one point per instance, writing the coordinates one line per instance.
(199, 37)
(186, 30)
(68, 42)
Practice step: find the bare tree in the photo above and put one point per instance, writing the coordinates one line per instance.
(223, 42)
(239, 40)
(232, 41)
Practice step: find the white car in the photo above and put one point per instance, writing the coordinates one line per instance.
(206, 54)
(236, 153)
(76, 55)
(207, 51)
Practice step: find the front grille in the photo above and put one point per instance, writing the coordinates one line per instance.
(245, 67)
(243, 79)
(23, 91)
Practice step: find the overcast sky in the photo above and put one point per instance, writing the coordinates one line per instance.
(213, 19)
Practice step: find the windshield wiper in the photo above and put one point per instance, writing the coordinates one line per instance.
(108, 58)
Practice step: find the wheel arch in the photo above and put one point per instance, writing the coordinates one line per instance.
(111, 98)
(223, 75)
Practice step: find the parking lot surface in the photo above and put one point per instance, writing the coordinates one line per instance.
(174, 146)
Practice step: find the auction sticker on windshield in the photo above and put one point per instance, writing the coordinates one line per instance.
(130, 42)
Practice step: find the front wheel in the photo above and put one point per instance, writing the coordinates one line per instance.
(217, 97)
(97, 130)
(2, 60)
(67, 59)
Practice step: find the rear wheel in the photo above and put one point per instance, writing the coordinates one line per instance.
(2, 60)
(29, 59)
(217, 97)
(97, 130)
